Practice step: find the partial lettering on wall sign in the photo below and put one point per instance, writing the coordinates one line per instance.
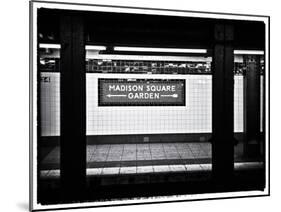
(45, 79)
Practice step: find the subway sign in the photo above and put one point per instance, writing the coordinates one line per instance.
(141, 92)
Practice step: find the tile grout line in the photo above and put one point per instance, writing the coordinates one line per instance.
(180, 157)
(149, 147)
(199, 163)
(136, 156)
(191, 150)
(106, 157)
(164, 151)
(166, 156)
(123, 147)
(92, 153)
(206, 153)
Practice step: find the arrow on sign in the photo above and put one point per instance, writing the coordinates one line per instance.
(172, 95)
(116, 95)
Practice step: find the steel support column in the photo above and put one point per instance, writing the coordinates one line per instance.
(252, 107)
(222, 105)
(73, 108)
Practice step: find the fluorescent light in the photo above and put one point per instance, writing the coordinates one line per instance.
(147, 49)
(57, 46)
(95, 47)
(148, 57)
(49, 46)
(249, 52)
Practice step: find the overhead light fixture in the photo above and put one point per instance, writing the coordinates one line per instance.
(88, 47)
(249, 52)
(170, 50)
(58, 46)
(49, 46)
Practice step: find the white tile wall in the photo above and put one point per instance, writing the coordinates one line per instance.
(50, 105)
(261, 100)
(238, 104)
(195, 117)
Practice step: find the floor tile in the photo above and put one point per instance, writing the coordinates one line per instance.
(177, 168)
(144, 169)
(114, 157)
(94, 171)
(54, 173)
(161, 168)
(110, 170)
(193, 167)
(128, 170)
(44, 173)
(206, 167)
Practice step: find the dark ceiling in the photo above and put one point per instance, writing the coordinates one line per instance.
(151, 30)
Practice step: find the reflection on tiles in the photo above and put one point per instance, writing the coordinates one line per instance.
(138, 152)
(94, 171)
(193, 167)
(138, 158)
(144, 169)
(161, 168)
(188, 168)
(110, 170)
(128, 170)
(206, 167)
(177, 168)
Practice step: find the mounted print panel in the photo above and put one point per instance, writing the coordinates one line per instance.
(139, 105)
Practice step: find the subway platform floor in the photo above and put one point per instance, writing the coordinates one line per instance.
(127, 159)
